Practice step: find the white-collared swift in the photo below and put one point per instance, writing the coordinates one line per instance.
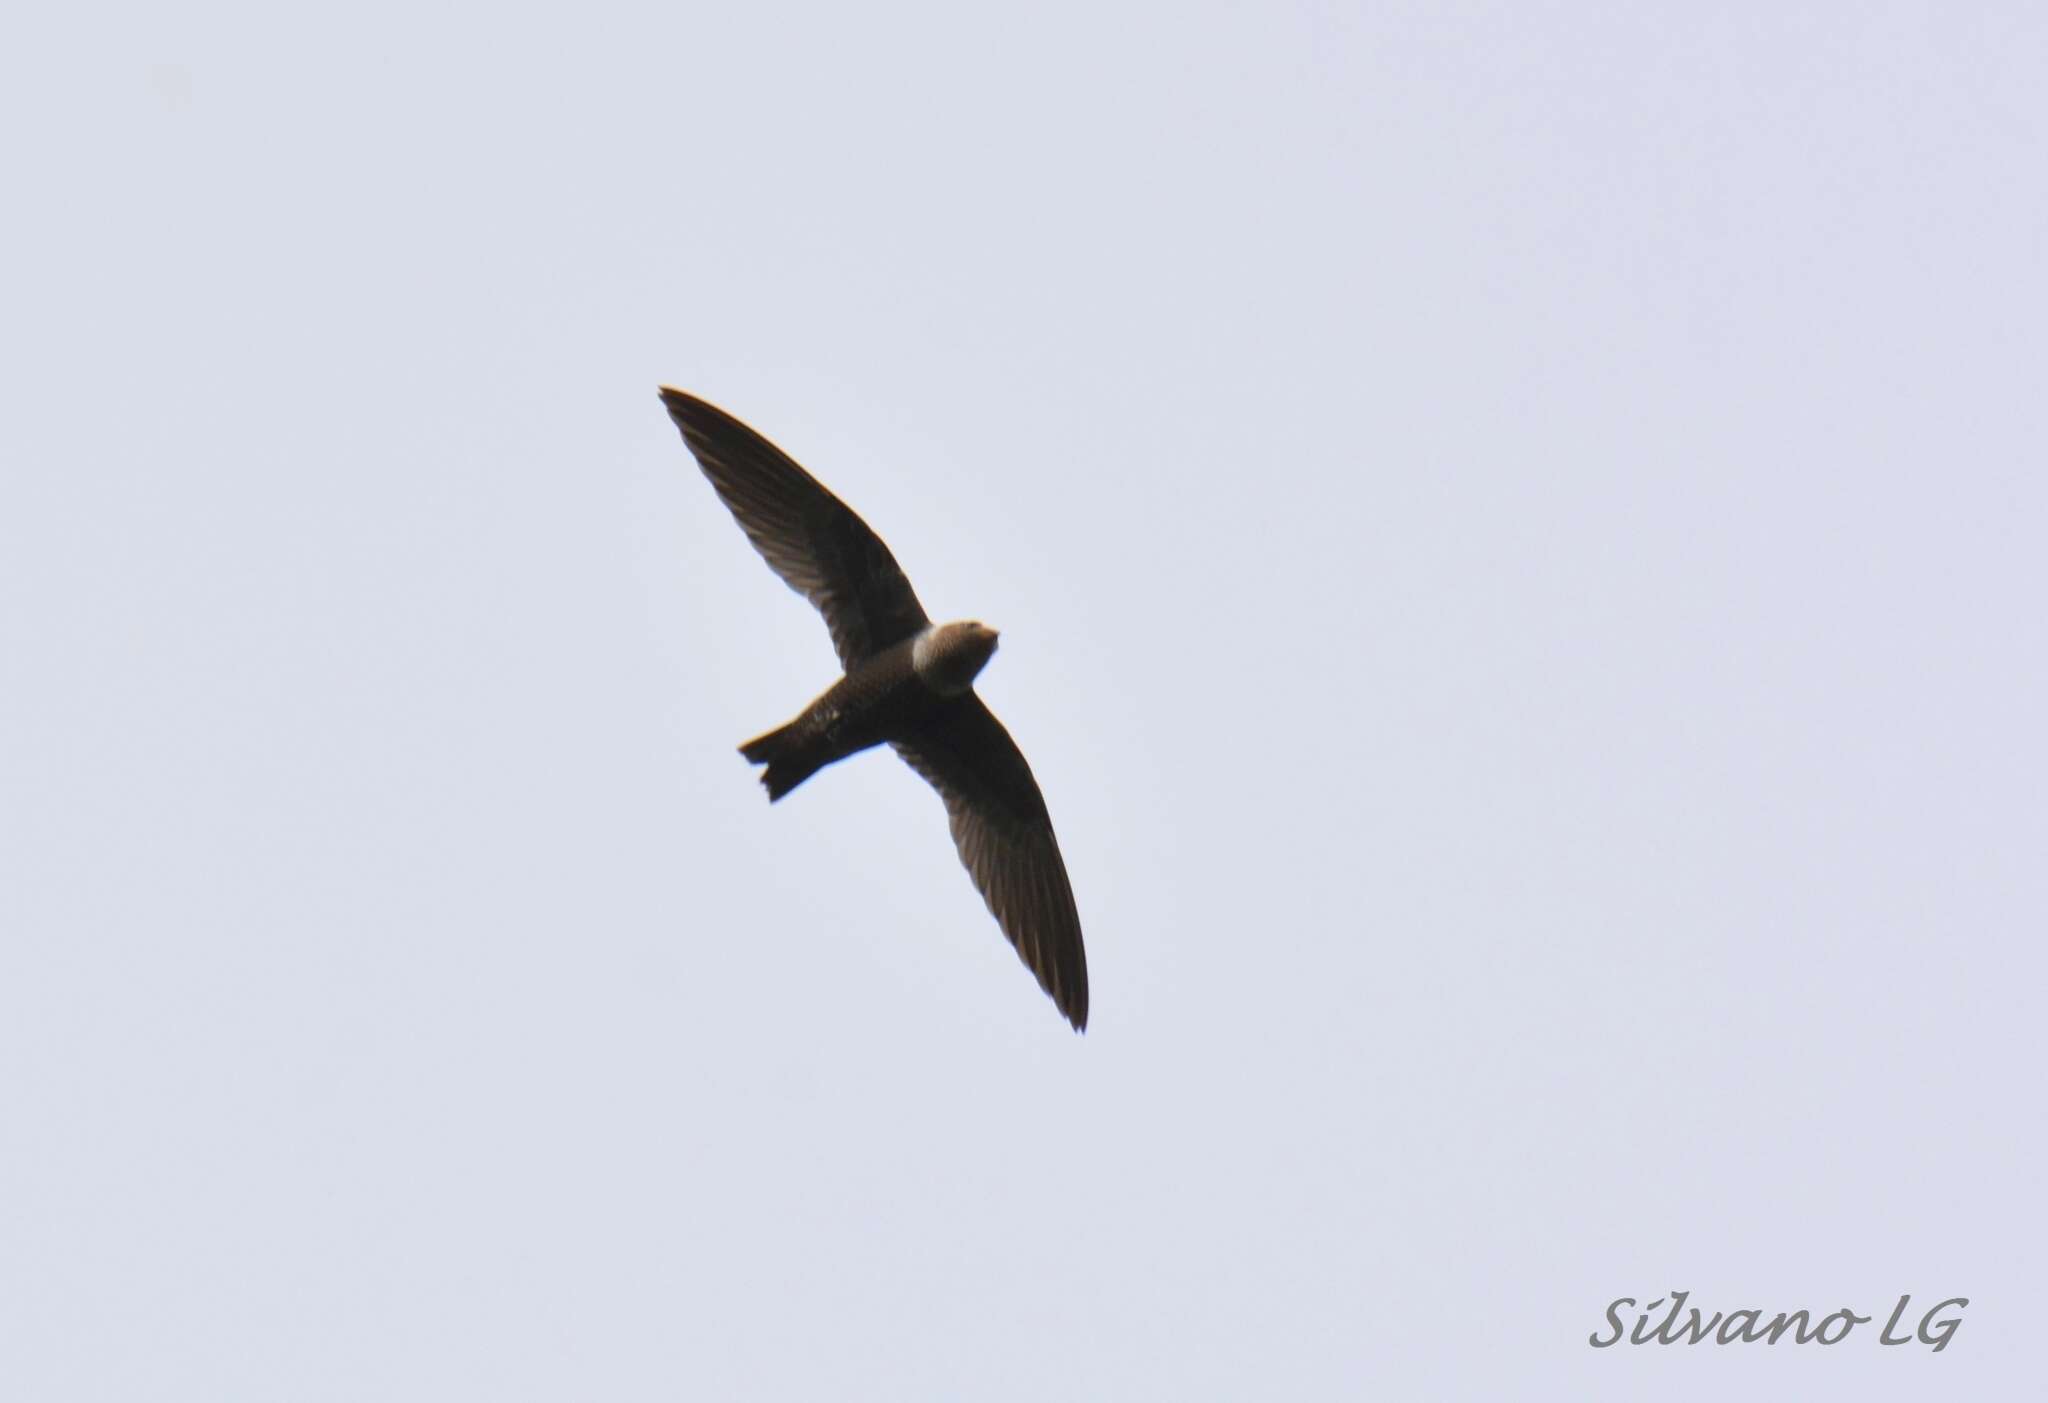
(908, 683)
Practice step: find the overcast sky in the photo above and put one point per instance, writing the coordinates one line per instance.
(1518, 532)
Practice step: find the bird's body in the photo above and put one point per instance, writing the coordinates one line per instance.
(907, 682)
(886, 697)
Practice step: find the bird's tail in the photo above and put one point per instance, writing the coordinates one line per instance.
(782, 751)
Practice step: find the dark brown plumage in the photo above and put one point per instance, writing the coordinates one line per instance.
(907, 683)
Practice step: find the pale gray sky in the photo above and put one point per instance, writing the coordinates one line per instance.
(1518, 534)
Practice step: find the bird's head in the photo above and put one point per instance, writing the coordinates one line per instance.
(949, 656)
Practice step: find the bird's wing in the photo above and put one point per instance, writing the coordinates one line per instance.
(1005, 838)
(808, 536)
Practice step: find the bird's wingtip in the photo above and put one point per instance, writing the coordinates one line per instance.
(691, 413)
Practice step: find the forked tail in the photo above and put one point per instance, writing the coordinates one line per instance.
(782, 752)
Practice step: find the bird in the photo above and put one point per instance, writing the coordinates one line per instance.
(907, 683)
